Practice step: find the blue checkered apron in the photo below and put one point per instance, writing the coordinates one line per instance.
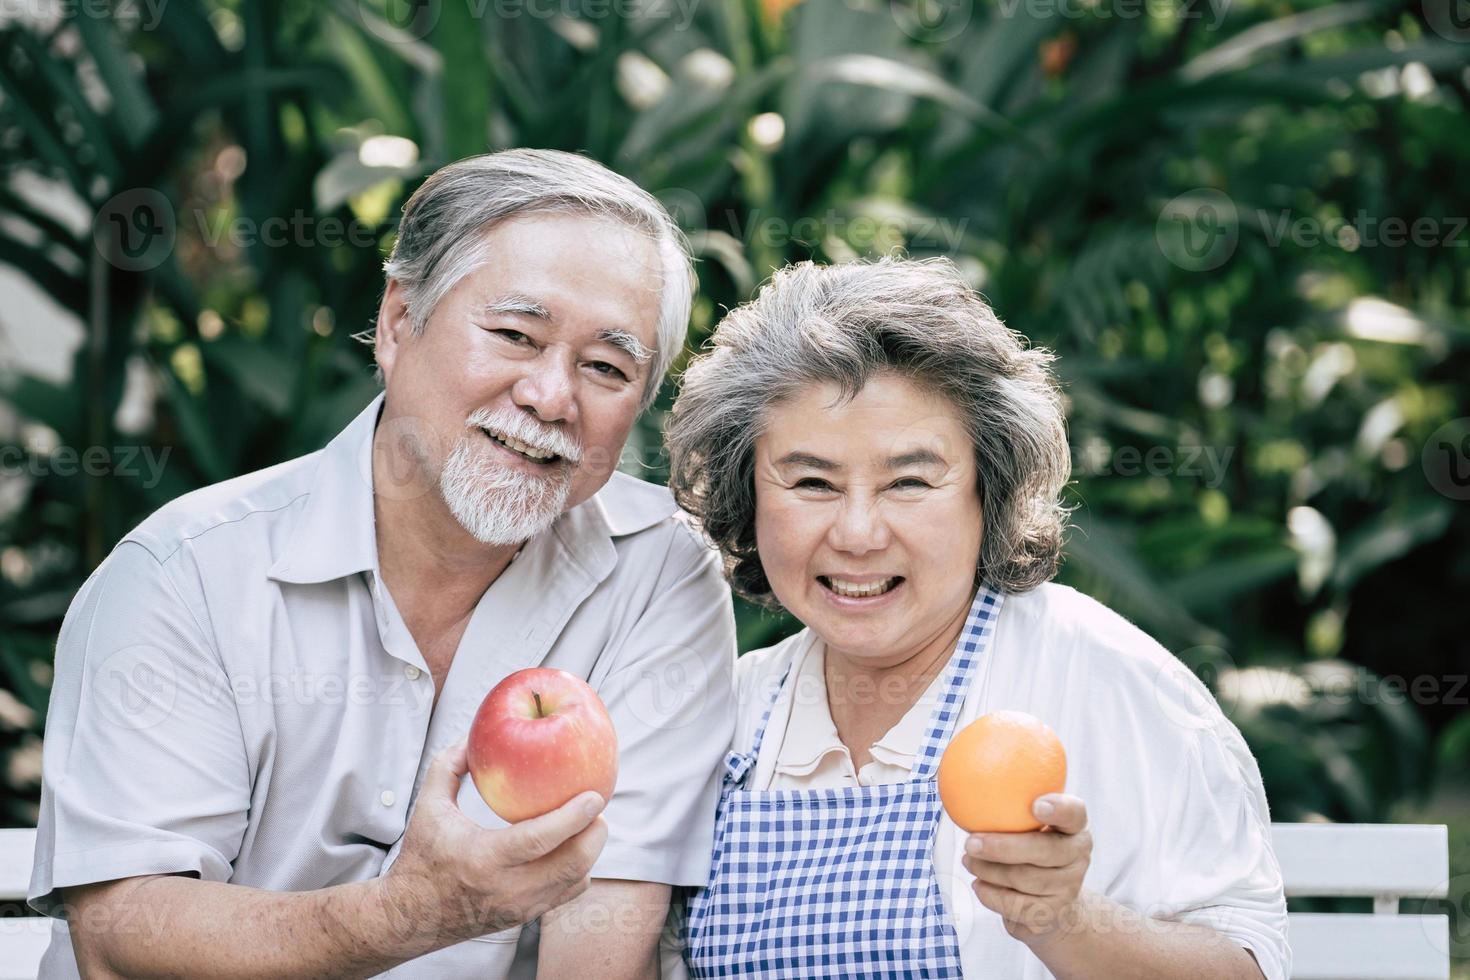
(835, 882)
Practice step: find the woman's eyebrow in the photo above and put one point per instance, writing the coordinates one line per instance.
(916, 457)
(799, 458)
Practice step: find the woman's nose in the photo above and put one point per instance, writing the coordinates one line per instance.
(859, 528)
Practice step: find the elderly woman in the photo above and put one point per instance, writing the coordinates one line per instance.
(873, 451)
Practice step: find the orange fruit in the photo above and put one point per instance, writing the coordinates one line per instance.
(994, 769)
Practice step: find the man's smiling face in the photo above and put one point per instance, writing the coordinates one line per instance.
(525, 382)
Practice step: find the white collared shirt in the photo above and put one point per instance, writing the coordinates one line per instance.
(237, 697)
(1175, 804)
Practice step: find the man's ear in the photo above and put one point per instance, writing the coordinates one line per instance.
(394, 327)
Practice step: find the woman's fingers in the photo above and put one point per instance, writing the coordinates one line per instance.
(1027, 879)
(1045, 850)
(1062, 812)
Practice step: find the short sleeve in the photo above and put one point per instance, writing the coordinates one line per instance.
(1215, 865)
(144, 768)
(671, 700)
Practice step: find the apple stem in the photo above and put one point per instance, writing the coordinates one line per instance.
(540, 712)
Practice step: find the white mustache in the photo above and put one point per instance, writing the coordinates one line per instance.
(519, 425)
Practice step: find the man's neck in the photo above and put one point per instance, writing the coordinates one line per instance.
(435, 570)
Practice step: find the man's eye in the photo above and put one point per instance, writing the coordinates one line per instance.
(514, 336)
(609, 370)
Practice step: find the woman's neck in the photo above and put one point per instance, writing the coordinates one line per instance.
(867, 698)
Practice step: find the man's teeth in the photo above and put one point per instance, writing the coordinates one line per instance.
(855, 590)
(525, 449)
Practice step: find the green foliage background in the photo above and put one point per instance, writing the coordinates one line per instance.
(1069, 156)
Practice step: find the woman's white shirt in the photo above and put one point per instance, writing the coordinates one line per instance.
(1175, 804)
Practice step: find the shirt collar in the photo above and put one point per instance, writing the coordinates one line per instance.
(335, 534)
(811, 735)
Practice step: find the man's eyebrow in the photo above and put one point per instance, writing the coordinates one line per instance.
(516, 304)
(916, 457)
(799, 458)
(627, 343)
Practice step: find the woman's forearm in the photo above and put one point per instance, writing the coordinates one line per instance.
(1106, 940)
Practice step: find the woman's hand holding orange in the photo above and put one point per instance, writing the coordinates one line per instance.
(1033, 880)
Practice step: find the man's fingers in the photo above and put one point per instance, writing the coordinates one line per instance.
(446, 772)
(539, 836)
(1062, 812)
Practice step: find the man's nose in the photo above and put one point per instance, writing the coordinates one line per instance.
(547, 388)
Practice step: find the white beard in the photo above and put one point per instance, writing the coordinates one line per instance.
(494, 503)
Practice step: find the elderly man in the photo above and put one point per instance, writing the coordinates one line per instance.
(254, 759)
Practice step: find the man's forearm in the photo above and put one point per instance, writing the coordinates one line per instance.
(1110, 940)
(181, 927)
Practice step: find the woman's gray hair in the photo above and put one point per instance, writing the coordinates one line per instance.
(441, 238)
(843, 324)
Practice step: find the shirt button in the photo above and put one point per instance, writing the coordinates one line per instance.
(387, 797)
(411, 672)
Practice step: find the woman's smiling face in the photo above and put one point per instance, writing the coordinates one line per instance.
(868, 515)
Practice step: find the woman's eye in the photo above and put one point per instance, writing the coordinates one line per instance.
(609, 370)
(812, 483)
(910, 483)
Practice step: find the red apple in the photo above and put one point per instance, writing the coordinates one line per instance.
(541, 736)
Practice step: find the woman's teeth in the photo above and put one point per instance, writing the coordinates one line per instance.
(525, 449)
(856, 590)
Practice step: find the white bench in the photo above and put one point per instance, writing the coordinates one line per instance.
(1384, 862)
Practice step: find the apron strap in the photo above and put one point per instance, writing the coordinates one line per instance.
(974, 639)
(737, 764)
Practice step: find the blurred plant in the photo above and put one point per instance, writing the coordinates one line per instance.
(1170, 200)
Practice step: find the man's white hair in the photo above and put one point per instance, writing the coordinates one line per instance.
(441, 238)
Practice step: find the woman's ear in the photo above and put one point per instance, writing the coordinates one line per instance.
(394, 327)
